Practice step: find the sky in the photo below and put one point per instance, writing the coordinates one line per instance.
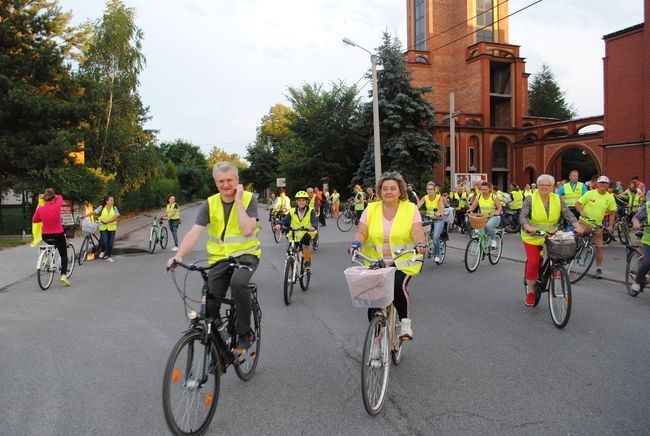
(215, 67)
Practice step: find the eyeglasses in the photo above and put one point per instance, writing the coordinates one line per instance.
(431, 189)
(544, 185)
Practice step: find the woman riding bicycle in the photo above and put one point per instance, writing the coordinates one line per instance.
(489, 205)
(52, 232)
(389, 225)
(301, 216)
(435, 205)
(541, 211)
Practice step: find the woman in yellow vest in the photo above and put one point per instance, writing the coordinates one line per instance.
(173, 214)
(390, 224)
(435, 206)
(107, 214)
(541, 211)
(489, 204)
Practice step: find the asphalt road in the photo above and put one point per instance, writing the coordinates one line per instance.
(89, 359)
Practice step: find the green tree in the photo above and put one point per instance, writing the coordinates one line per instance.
(546, 99)
(39, 95)
(220, 155)
(194, 174)
(407, 145)
(115, 139)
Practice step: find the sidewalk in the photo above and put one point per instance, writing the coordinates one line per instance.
(19, 262)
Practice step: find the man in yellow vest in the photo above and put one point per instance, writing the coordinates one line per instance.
(517, 199)
(571, 191)
(231, 219)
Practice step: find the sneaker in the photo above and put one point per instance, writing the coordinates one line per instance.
(436, 259)
(175, 249)
(405, 329)
(243, 343)
(109, 259)
(101, 254)
(636, 287)
(64, 280)
(530, 299)
(307, 265)
(493, 244)
(599, 273)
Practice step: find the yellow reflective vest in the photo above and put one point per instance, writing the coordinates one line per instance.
(105, 215)
(432, 206)
(488, 206)
(541, 220)
(572, 195)
(517, 200)
(173, 211)
(295, 222)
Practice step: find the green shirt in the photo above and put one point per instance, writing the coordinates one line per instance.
(596, 206)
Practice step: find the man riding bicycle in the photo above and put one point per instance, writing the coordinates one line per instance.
(231, 219)
(301, 216)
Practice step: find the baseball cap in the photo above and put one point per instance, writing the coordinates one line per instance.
(603, 179)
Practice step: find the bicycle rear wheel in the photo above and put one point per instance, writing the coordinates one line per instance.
(345, 221)
(247, 361)
(559, 296)
(153, 239)
(581, 263)
(495, 253)
(375, 366)
(191, 385)
(45, 269)
(71, 259)
(83, 250)
(472, 255)
(631, 268)
(164, 238)
(288, 279)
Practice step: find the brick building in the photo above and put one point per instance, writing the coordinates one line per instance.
(462, 47)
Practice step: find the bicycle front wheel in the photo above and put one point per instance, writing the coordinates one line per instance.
(581, 263)
(631, 268)
(559, 296)
(152, 240)
(245, 367)
(45, 269)
(495, 253)
(443, 252)
(191, 385)
(164, 237)
(472, 255)
(305, 277)
(83, 250)
(375, 366)
(288, 280)
(345, 221)
(623, 232)
(277, 234)
(71, 259)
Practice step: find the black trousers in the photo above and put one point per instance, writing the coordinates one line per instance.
(400, 296)
(59, 241)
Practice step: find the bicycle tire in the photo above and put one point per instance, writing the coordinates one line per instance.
(396, 354)
(83, 250)
(153, 239)
(71, 260)
(631, 269)
(345, 221)
(538, 294)
(623, 232)
(305, 277)
(185, 362)
(245, 368)
(443, 252)
(472, 255)
(494, 255)
(45, 270)
(164, 238)
(580, 264)
(314, 243)
(608, 237)
(374, 372)
(511, 224)
(429, 243)
(277, 234)
(559, 296)
(288, 279)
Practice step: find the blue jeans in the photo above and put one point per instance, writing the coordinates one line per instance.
(173, 228)
(437, 227)
(491, 227)
(107, 237)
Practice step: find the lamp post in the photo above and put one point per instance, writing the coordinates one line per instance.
(375, 108)
(452, 140)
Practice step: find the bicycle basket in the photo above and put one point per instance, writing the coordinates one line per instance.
(477, 220)
(563, 249)
(89, 226)
(370, 287)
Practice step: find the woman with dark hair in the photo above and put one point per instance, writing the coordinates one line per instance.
(52, 231)
(388, 225)
(173, 214)
(107, 214)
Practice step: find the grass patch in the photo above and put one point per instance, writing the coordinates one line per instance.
(10, 243)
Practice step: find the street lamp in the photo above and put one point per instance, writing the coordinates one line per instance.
(375, 108)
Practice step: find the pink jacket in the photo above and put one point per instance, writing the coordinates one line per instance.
(50, 215)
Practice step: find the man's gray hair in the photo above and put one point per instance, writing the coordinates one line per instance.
(221, 167)
(548, 177)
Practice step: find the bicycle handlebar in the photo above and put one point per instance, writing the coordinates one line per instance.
(380, 263)
(233, 263)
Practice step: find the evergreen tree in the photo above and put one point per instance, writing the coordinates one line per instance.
(407, 145)
(546, 99)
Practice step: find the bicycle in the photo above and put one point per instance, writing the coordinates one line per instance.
(201, 356)
(294, 267)
(275, 219)
(584, 258)
(372, 287)
(634, 259)
(510, 221)
(90, 243)
(347, 218)
(158, 234)
(49, 263)
(553, 277)
(622, 226)
(479, 246)
(430, 242)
